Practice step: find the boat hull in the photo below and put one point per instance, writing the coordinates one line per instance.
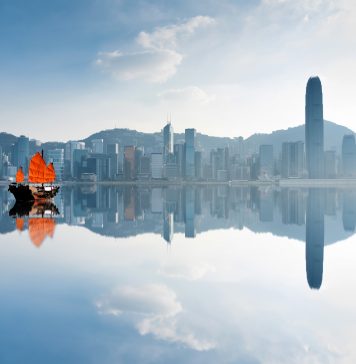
(32, 193)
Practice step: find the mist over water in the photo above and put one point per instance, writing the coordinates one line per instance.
(184, 275)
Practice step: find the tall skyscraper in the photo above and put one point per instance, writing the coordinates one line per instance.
(167, 141)
(292, 159)
(190, 153)
(314, 128)
(56, 156)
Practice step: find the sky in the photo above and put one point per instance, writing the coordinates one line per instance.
(227, 68)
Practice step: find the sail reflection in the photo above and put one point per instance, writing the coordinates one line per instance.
(37, 217)
(316, 216)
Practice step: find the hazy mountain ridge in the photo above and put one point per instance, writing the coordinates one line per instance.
(333, 134)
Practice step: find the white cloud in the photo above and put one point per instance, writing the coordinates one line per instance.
(156, 311)
(167, 37)
(190, 93)
(151, 65)
(157, 58)
(188, 272)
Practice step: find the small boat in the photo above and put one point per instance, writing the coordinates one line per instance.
(40, 181)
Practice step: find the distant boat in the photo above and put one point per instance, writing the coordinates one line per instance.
(40, 181)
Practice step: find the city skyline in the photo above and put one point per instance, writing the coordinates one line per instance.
(206, 64)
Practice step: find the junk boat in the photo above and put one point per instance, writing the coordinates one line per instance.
(40, 181)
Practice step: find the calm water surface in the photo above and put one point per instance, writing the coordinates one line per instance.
(194, 275)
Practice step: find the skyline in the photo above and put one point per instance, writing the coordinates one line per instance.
(87, 66)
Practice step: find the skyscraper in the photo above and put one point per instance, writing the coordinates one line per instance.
(167, 141)
(22, 152)
(190, 153)
(314, 128)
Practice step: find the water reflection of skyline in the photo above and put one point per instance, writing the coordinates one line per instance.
(316, 216)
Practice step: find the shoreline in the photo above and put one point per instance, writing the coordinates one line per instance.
(288, 183)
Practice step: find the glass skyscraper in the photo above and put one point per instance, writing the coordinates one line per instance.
(190, 153)
(314, 128)
(167, 141)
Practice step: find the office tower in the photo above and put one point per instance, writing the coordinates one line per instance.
(198, 161)
(348, 155)
(330, 164)
(77, 162)
(97, 146)
(112, 151)
(139, 152)
(179, 158)
(218, 162)
(129, 162)
(22, 153)
(168, 136)
(156, 165)
(70, 147)
(56, 156)
(314, 243)
(292, 159)
(145, 167)
(190, 153)
(314, 128)
(266, 161)
(171, 167)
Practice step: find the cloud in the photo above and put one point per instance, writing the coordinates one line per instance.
(190, 93)
(152, 65)
(155, 310)
(188, 272)
(157, 57)
(167, 37)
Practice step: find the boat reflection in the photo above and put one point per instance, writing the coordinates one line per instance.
(37, 217)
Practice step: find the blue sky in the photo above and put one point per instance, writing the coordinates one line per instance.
(224, 67)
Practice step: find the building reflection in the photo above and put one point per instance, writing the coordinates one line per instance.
(314, 237)
(317, 217)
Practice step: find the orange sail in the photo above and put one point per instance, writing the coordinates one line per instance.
(20, 177)
(37, 169)
(39, 229)
(50, 174)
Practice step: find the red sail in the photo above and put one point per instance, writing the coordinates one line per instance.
(50, 174)
(37, 169)
(20, 177)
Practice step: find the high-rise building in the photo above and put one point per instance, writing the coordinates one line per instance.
(198, 165)
(314, 128)
(179, 158)
(129, 162)
(56, 156)
(348, 155)
(168, 136)
(70, 147)
(1, 163)
(22, 152)
(97, 146)
(156, 165)
(112, 151)
(292, 159)
(266, 161)
(190, 135)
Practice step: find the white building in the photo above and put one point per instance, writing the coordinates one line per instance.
(156, 165)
